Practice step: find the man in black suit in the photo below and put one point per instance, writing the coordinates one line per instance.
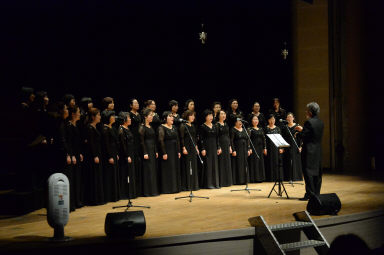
(311, 135)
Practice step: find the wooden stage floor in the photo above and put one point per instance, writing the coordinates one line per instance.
(224, 210)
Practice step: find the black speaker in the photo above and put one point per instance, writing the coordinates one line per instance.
(324, 204)
(125, 224)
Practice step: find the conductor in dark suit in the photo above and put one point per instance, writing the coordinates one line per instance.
(311, 135)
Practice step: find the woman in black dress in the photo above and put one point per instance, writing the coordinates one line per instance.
(136, 121)
(256, 165)
(210, 149)
(274, 159)
(233, 112)
(156, 122)
(278, 112)
(93, 171)
(110, 152)
(256, 112)
(292, 156)
(240, 153)
(189, 171)
(74, 142)
(225, 168)
(149, 149)
(61, 160)
(126, 166)
(170, 159)
(216, 108)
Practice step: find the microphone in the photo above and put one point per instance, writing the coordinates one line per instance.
(283, 121)
(181, 120)
(240, 119)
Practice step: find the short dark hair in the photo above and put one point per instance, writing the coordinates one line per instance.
(166, 114)
(173, 103)
(92, 113)
(106, 116)
(123, 116)
(26, 92)
(270, 116)
(106, 101)
(84, 103)
(187, 103)
(313, 108)
(188, 113)
(131, 101)
(148, 102)
(206, 113)
(146, 112)
(291, 113)
(67, 98)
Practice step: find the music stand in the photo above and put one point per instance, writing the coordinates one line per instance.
(279, 142)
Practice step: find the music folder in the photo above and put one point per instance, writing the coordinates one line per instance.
(278, 141)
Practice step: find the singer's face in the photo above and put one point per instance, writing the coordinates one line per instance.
(129, 121)
(111, 106)
(276, 104)
(152, 106)
(97, 118)
(135, 105)
(169, 120)
(65, 112)
(256, 107)
(150, 117)
(290, 118)
(72, 103)
(238, 124)
(223, 115)
(209, 118)
(191, 118)
(76, 115)
(191, 106)
(217, 108)
(235, 105)
(255, 121)
(271, 121)
(175, 108)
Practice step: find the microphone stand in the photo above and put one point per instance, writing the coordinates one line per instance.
(291, 165)
(129, 205)
(246, 167)
(191, 195)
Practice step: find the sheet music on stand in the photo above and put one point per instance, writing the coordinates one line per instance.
(278, 141)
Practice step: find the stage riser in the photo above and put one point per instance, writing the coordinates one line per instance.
(369, 226)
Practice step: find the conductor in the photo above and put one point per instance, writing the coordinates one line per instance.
(311, 135)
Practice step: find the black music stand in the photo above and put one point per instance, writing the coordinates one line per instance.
(279, 142)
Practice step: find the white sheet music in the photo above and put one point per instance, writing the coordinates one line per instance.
(278, 140)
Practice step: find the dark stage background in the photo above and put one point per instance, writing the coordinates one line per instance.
(148, 49)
